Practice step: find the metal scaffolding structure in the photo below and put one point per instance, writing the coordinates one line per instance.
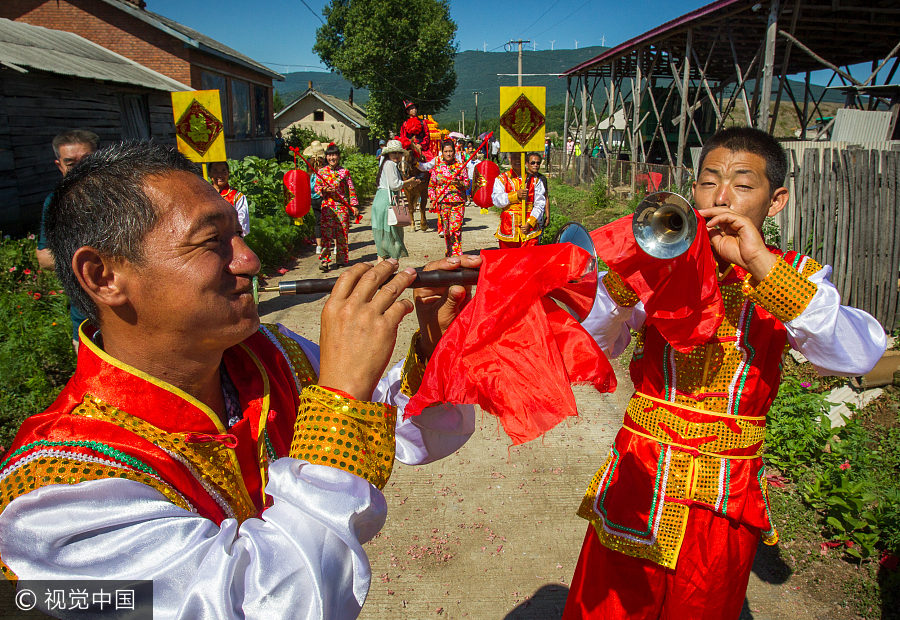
(678, 83)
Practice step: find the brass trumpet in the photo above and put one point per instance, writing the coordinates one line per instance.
(664, 225)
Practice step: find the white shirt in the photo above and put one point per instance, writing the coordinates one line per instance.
(390, 176)
(303, 558)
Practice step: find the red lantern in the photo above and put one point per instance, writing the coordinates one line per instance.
(485, 174)
(297, 183)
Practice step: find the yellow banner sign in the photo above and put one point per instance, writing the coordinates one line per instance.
(199, 128)
(522, 111)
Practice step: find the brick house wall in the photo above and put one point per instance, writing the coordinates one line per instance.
(155, 49)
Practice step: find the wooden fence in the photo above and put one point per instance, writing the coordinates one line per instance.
(847, 215)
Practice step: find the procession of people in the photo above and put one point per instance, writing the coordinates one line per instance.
(241, 467)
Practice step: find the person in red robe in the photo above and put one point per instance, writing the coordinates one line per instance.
(679, 506)
(414, 133)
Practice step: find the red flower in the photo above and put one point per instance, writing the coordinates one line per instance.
(282, 271)
(53, 292)
(27, 272)
(11, 269)
(37, 295)
(845, 465)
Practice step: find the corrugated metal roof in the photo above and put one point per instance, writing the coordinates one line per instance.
(857, 126)
(192, 38)
(352, 113)
(23, 46)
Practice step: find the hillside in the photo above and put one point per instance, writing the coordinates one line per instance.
(474, 70)
(479, 71)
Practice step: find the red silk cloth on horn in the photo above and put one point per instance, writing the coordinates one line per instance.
(512, 350)
(681, 295)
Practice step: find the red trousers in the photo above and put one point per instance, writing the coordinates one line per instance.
(709, 581)
(505, 245)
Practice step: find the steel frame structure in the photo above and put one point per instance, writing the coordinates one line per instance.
(722, 53)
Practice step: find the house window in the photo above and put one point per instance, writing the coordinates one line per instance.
(261, 113)
(319, 115)
(214, 81)
(240, 109)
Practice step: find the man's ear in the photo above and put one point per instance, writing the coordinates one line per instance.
(59, 167)
(102, 277)
(779, 201)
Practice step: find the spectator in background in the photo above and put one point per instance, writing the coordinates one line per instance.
(315, 155)
(547, 146)
(378, 151)
(218, 176)
(70, 147)
(570, 146)
(495, 150)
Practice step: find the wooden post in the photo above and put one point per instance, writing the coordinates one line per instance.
(682, 127)
(565, 132)
(762, 119)
(636, 94)
(583, 128)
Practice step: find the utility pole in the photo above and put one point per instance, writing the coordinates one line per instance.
(463, 130)
(552, 41)
(576, 43)
(476, 93)
(519, 43)
(602, 40)
(533, 46)
(485, 47)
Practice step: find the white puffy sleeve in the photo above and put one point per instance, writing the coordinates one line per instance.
(302, 558)
(540, 200)
(243, 211)
(609, 323)
(836, 339)
(498, 194)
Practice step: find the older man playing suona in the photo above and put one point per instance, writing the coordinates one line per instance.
(237, 465)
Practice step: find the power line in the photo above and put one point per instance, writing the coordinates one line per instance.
(319, 17)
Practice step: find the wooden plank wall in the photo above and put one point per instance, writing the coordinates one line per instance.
(848, 216)
(35, 107)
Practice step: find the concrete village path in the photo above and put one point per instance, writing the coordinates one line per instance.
(490, 532)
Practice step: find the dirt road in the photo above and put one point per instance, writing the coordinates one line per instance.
(490, 532)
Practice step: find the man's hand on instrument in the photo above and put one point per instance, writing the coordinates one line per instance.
(359, 326)
(522, 194)
(437, 307)
(736, 239)
(525, 228)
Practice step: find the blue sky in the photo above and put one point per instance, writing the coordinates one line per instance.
(280, 33)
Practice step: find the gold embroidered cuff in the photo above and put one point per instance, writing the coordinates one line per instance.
(619, 290)
(513, 197)
(353, 435)
(413, 368)
(532, 221)
(783, 292)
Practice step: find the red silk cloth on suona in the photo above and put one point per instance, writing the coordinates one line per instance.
(681, 295)
(512, 350)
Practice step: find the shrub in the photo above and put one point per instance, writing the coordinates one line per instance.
(36, 356)
(299, 137)
(274, 236)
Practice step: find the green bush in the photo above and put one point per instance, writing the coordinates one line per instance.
(36, 356)
(301, 138)
(849, 475)
(363, 169)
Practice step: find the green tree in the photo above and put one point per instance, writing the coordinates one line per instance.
(398, 50)
(278, 102)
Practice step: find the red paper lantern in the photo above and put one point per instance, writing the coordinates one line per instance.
(485, 174)
(297, 183)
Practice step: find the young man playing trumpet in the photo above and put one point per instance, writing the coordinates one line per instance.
(681, 503)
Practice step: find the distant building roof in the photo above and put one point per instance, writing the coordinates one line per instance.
(192, 38)
(350, 111)
(23, 47)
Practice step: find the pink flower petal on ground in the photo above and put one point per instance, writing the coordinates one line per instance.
(282, 271)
